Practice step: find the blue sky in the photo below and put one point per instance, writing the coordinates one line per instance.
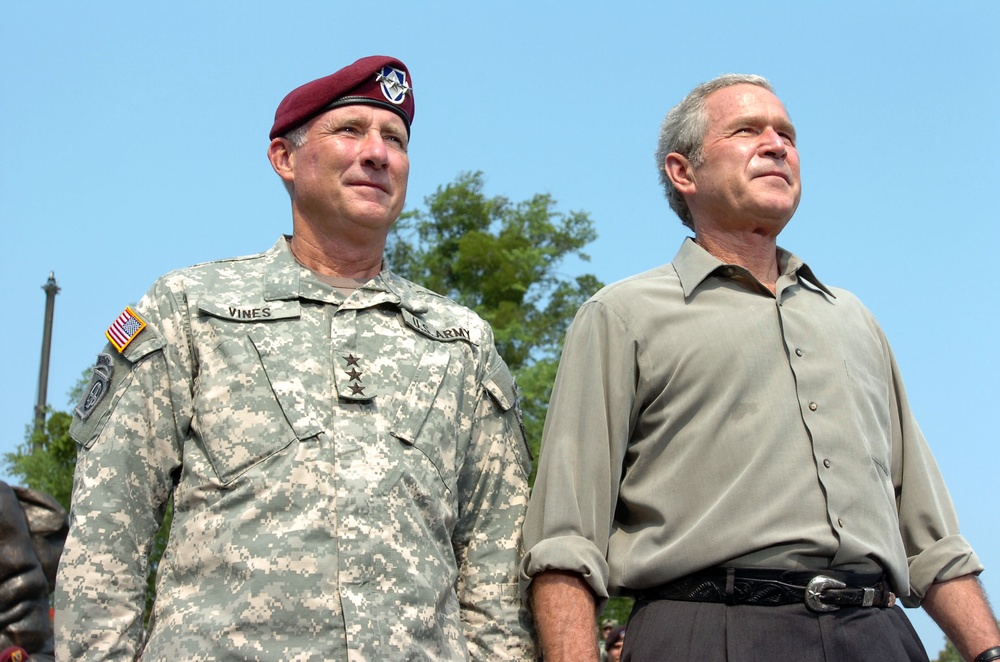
(136, 137)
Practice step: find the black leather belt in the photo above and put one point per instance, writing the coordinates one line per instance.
(820, 591)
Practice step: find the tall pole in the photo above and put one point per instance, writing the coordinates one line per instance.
(51, 289)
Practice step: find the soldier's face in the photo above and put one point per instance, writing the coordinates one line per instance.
(353, 168)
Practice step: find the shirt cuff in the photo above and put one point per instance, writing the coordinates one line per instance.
(569, 554)
(948, 558)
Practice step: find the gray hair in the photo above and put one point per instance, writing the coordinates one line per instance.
(297, 137)
(683, 131)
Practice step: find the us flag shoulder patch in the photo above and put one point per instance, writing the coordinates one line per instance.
(124, 329)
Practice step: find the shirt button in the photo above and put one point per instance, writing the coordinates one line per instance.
(840, 522)
(826, 463)
(730, 271)
(798, 352)
(813, 406)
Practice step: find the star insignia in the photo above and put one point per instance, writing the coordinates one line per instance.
(354, 375)
(352, 360)
(357, 389)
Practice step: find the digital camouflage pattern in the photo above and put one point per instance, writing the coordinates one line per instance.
(349, 477)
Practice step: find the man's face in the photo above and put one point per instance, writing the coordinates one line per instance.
(750, 172)
(352, 170)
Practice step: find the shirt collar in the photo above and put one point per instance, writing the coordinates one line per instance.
(283, 282)
(405, 294)
(694, 264)
(281, 272)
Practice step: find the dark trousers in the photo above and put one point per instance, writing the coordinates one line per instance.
(674, 631)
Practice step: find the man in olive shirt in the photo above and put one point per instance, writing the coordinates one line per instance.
(728, 439)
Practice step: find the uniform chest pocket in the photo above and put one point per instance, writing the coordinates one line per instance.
(428, 417)
(250, 404)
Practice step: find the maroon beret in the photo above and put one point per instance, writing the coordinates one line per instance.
(14, 654)
(374, 81)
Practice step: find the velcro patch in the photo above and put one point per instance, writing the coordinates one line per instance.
(124, 329)
(352, 378)
(444, 335)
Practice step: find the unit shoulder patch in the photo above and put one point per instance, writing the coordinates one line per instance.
(99, 386)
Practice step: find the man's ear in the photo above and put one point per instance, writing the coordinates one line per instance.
(680, 172)
(282, 157)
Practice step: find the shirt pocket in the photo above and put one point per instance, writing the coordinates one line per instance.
(251, 402)
(870, 391)
(427, 420)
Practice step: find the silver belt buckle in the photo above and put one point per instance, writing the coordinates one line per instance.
(814, 590)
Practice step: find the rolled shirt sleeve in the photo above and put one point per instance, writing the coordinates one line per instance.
(928, 523)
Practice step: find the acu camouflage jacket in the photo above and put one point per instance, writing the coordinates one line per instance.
(349, 476)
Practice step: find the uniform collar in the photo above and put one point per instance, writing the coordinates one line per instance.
(283, 282)
(694, 264)
(281, 272)
(404, 293)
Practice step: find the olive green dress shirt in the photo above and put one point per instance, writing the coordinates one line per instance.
(698, 420)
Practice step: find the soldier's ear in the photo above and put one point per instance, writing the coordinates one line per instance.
(281, 154)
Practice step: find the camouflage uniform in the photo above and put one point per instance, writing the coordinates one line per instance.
(349, 476)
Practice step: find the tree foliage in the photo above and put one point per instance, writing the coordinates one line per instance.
(502, 259)
(47, 458)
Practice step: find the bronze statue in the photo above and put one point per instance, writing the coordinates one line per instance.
(33, 529)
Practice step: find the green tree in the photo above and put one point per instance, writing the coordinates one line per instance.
(50, 467)
(47, 458)
(503, 260)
